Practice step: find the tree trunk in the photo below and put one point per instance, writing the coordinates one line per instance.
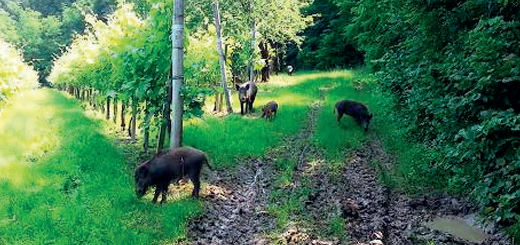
(90, 96)
(108, 108)
(123, 107)
(222, 58)
(115, 110)
(166, 122)
(177, 72)
(265, 55)
(102, 107)
(133, 120)
(146, 128)
(252, 58)
(218, 102)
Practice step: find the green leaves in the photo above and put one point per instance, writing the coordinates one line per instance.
(14, 75)
(453, 67)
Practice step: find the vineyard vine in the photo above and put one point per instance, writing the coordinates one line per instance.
(15, 75)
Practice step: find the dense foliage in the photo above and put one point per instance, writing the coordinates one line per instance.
(14, 75)
(454, 68)
(42, 28)
(277, 24)
(326, 46)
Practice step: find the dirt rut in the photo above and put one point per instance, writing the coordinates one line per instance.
(375, 214)
(236, 203)
(235, 207)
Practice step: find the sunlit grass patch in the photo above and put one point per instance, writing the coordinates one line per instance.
(335, 137)
(65, 182)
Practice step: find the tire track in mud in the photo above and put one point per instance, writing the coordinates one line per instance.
(374, 212)
(235, 207)
(236, 203)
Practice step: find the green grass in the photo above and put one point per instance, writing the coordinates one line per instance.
(225, 139)
(63, 181)
(335, 137)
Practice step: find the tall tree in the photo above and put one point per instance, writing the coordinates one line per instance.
(222, 57)
(177, 72)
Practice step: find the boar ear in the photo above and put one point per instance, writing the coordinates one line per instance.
(237, 86)
(247, 86)
(143, 169)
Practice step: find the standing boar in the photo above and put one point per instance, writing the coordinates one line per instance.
(168, 166)
(270, 109)
(246, 94)
(355, 109)
(289, 69)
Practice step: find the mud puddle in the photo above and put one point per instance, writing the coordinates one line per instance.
(377, 214)
(457, 227)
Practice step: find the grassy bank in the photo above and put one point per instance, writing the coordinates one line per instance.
(64, 182)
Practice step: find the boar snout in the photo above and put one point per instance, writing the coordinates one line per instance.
(141, 190)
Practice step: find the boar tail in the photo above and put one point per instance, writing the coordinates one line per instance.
(209, 166)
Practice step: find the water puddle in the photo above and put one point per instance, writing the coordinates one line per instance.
(457, 227)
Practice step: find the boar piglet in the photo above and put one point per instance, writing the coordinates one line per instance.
(270, 109)
(168, 166)
(355, 109)
(246, 94)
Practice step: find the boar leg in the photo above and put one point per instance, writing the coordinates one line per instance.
(251, 105)
(195, 179)
(163, 198)
(241, 107)
(156, 195)
(160, 189)
(340, 115)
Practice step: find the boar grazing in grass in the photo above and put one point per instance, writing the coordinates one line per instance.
(355, 109)
(169, 166)
(270, 110)
(246, 95)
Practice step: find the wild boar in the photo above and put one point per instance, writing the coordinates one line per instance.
(289, 69)
(168, 166)
(355, 109)
(246, 94)
(270, 110)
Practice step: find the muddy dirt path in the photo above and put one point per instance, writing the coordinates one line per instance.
(373, 209)
(235, 207)
(236, 203)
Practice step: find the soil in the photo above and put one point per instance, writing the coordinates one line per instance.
(236, 203)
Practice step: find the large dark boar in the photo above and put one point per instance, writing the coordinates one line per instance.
(355, 109)
(246, 94)
(270, 109)
(168, 166)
